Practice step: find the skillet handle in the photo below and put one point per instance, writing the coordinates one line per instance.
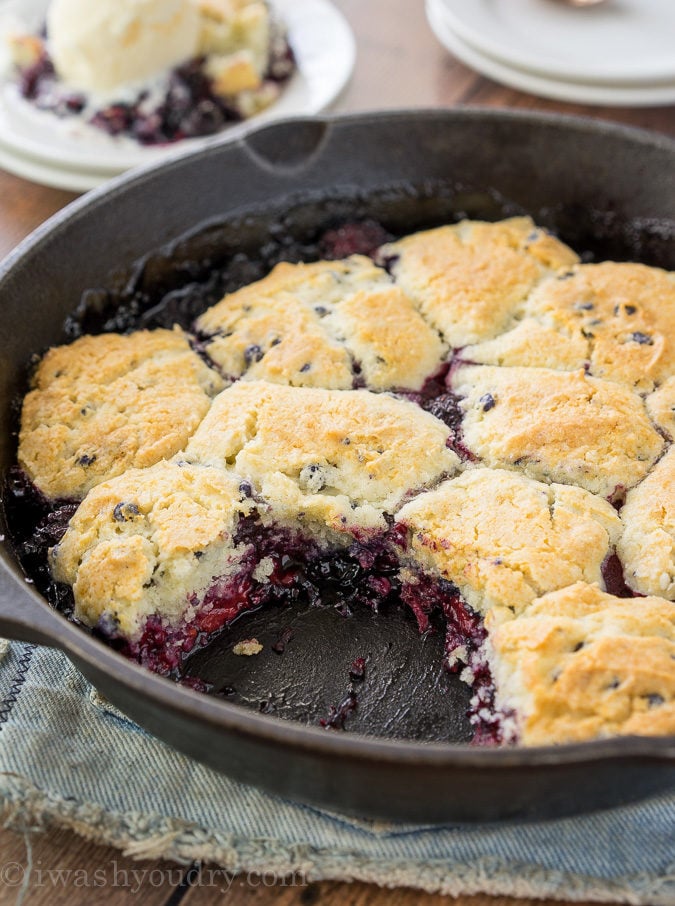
(23, 616)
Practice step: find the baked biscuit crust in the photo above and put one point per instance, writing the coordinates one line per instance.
(470, 280)
(580, 664)
(504, 539)
(557, 426)
(330, 324)
(532, 344)
(150, 542)
(230, 27)
(647, 548)
(618, 320)
(661, 408)
(108, 403)
(343, 459)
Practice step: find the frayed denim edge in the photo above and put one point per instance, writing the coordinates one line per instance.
(27, 809)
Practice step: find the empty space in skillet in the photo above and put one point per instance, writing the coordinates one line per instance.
(306, 672)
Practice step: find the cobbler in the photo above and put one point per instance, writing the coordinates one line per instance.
(466, 421)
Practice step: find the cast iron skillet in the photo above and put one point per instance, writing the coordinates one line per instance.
(599, 185)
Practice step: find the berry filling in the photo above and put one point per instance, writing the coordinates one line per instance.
(443, 404)
(464, 640)
(355, 238)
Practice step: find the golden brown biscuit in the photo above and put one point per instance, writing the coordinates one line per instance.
(338, 459)
(647, 549)
(661, 407)
(625, 311)
(328, 324)
(532, 344)
(151, 541)
(579, 664)
(470, 280)
(109, 403)
(557, 426)
(617, 320)
(504, 539)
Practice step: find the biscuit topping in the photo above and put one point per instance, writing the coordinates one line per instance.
(557, 426)
(469, 280)
(110, 403)
(579, 663)
(344, 459)
(331, 324)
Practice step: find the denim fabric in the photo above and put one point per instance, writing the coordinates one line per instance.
(68, 757)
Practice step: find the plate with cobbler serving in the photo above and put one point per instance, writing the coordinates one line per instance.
(352, 475)
(90, 90)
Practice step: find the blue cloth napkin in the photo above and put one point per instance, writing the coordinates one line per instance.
(69, 758)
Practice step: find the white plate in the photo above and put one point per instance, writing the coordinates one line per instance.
(48, 174)
(645, 96)
(38, 141)
(630, 42)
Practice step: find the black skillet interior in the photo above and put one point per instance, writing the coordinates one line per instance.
(608, 192)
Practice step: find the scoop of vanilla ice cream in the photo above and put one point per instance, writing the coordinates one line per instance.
(98, 46)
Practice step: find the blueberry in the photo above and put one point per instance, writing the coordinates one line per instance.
(108, 626)
(280, 645)
(246, 489)
(253, 354)
(642, 338)
(339, 569)
(74, 103)
(115, 119)
(125, 512)
(487, 401)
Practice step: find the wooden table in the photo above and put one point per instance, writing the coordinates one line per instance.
(400, 64)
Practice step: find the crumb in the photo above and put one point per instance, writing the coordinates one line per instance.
(247, 647)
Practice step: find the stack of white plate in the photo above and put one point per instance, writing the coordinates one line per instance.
(621, 52)
(68, 154)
